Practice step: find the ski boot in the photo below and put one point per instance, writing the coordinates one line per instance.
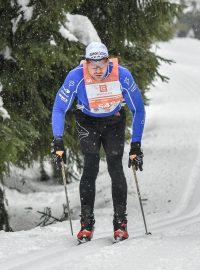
(120, 227)
(87, 227)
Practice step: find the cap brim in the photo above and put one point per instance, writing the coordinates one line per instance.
(97, 59)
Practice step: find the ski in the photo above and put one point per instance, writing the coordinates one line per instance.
(83, 241)
(118, 239)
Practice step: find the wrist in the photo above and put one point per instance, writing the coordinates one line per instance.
(135, 144)
(57, 138)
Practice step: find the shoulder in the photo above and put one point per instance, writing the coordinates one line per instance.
(77, 71)
(75, 76)
(123, 71)
(125, 77)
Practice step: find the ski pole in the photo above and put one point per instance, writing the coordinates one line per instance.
(140, 199)
(65, 185)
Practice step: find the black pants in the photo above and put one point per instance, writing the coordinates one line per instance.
(109, 132)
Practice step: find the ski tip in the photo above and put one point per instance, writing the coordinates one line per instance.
(119, 239)
(83, 240)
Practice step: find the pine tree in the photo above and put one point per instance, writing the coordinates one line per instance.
(34, 61)
(4, 220)
(189, 20)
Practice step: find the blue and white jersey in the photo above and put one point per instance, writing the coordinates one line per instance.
(74, 86)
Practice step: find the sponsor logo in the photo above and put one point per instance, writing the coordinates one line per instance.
(132, 89)
(88, 80)
(103, 88)
(71, 83)
(103, 54)
(63, 98)
(64, 93)
(66, 90)
(126, 80)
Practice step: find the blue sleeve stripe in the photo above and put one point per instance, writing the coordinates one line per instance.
(78, 85)
(133, 84)
(130, 96)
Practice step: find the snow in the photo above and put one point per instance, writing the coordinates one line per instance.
(66, 34)
(26, 9)
(169, 188)
(189, 4)
(82, 28)
(3, 111)
(15, 22)
(52, 41)
(78, 28)
(7, 54)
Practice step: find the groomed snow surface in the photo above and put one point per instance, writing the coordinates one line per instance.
(169, 185)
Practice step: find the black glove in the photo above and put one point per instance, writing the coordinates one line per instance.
(58, 145)
(137, 162)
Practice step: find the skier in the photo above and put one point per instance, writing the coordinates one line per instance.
(102, 87)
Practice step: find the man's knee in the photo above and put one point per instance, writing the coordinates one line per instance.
(91, 164)
(114, 164)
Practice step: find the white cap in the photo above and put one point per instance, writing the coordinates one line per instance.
(96, 51)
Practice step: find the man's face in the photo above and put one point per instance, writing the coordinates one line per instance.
(97, 69)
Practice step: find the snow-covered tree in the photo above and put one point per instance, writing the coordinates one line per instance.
(37, 50)
(34, 61)
(189, 22)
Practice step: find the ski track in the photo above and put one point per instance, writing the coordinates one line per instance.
(38, 260)
(67, 255)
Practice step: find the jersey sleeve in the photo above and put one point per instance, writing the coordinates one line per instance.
(63, 101)
(133, 99)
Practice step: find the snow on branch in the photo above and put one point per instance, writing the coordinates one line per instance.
(66, 34)
(3, 111)
(79, 28)
(27, 11)
(7, 54)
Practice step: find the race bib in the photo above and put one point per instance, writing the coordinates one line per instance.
(103, 96)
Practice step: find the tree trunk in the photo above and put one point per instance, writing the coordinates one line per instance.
(4, 221)
(44, 175)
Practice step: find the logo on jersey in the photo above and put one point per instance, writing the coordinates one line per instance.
(71, 83)
(103, 88)
(88, 80)
(126, 80)
(66, 90)
(63, 98)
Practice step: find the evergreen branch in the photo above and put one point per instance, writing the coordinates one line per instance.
(48, 219)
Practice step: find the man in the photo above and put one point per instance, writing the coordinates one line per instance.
(101, 87)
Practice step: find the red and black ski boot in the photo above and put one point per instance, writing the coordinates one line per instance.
(120, 227)
(87, 228)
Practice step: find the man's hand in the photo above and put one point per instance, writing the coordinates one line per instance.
(58, 152)
(136, 156)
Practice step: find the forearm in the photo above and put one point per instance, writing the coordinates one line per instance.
(58, 122)
(138, 125)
